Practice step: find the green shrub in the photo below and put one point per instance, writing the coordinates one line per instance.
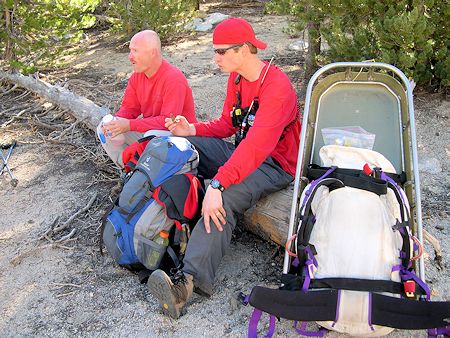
(163, 16)
(409, 34)
(39, 33)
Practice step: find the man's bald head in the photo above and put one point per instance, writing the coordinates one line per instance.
(145, 52)
(148, 39)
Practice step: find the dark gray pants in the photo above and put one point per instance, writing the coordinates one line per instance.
(205, 251)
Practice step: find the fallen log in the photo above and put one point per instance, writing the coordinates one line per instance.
(268, 219)
(80, 107)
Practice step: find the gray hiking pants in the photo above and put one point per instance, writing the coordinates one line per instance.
(115, 152)
(205, 251)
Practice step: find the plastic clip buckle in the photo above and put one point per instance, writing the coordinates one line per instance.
(311, 269)
(410, 288)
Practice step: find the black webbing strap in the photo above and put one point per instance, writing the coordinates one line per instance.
(355, 284)
(102, 227)
(293, 283)
(295, 305)
(322, 305)
(138, 206)
(406, 246)
(146, 138)
(351, 178)
(316, 169)
(409, 314)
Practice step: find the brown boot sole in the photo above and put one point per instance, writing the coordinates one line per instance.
(159, 287)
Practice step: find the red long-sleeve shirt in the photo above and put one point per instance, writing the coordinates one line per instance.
(166, 92)
(277, 109)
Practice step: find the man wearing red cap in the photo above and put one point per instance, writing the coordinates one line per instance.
(260, 109)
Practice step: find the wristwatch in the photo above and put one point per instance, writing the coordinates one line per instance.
(215, 184)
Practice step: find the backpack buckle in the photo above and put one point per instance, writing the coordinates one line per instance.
(410, 288)
(311, 269)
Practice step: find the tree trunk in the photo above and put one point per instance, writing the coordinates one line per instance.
(8, 25)
(269, 218)
(314, 41)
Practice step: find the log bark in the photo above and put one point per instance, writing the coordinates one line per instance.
(268, 219)
(80, 107)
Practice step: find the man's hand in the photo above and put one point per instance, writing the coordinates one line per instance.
(116, 127)
(179, 126)
(213, 209)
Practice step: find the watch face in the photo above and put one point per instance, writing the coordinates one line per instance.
(215, 184)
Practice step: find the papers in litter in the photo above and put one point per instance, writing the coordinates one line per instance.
(205, 25)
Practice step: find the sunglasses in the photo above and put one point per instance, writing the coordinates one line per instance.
(222, 51)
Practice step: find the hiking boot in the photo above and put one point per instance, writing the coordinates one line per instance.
(172, 294)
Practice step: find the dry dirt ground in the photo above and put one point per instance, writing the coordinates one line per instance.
(54, 282)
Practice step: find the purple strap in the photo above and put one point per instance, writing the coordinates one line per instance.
(337, 308)
(253, 324)
(314, 183)
(445, 331)
(390, 180)
(369, 319)
(303, 331)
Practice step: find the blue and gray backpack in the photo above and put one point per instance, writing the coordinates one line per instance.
(161, 193)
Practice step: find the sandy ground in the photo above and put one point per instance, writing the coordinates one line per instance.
(69, 289)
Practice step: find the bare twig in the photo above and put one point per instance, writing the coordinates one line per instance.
(50, 228)
(19, 258)
(9, 90)
(65, 131)
(60, 285)
(75, 215)
(436, 245)
(66, 237)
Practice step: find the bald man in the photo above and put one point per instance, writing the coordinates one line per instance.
(156, 90)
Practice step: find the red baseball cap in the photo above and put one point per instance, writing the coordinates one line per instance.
(234, 31)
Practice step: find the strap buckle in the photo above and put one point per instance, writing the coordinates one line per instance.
(410, 288)
(311, 269)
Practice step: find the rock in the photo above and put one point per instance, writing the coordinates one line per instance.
(215, 18)
(440, 226)
(430, 165)
(298, 46)
(203, 27)
(191, 26)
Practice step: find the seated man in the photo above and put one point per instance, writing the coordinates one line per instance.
(261, 110)
(156, 90)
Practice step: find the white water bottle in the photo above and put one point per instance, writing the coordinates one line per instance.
(106, 137)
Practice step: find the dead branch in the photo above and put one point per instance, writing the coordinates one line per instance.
(81, 108)
(26, 110)
(16, 260)
(436, 245)
(9, 90)
(66, 237)
(65, 131)
(75, 215)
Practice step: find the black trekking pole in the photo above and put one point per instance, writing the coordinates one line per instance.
(10, 147)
